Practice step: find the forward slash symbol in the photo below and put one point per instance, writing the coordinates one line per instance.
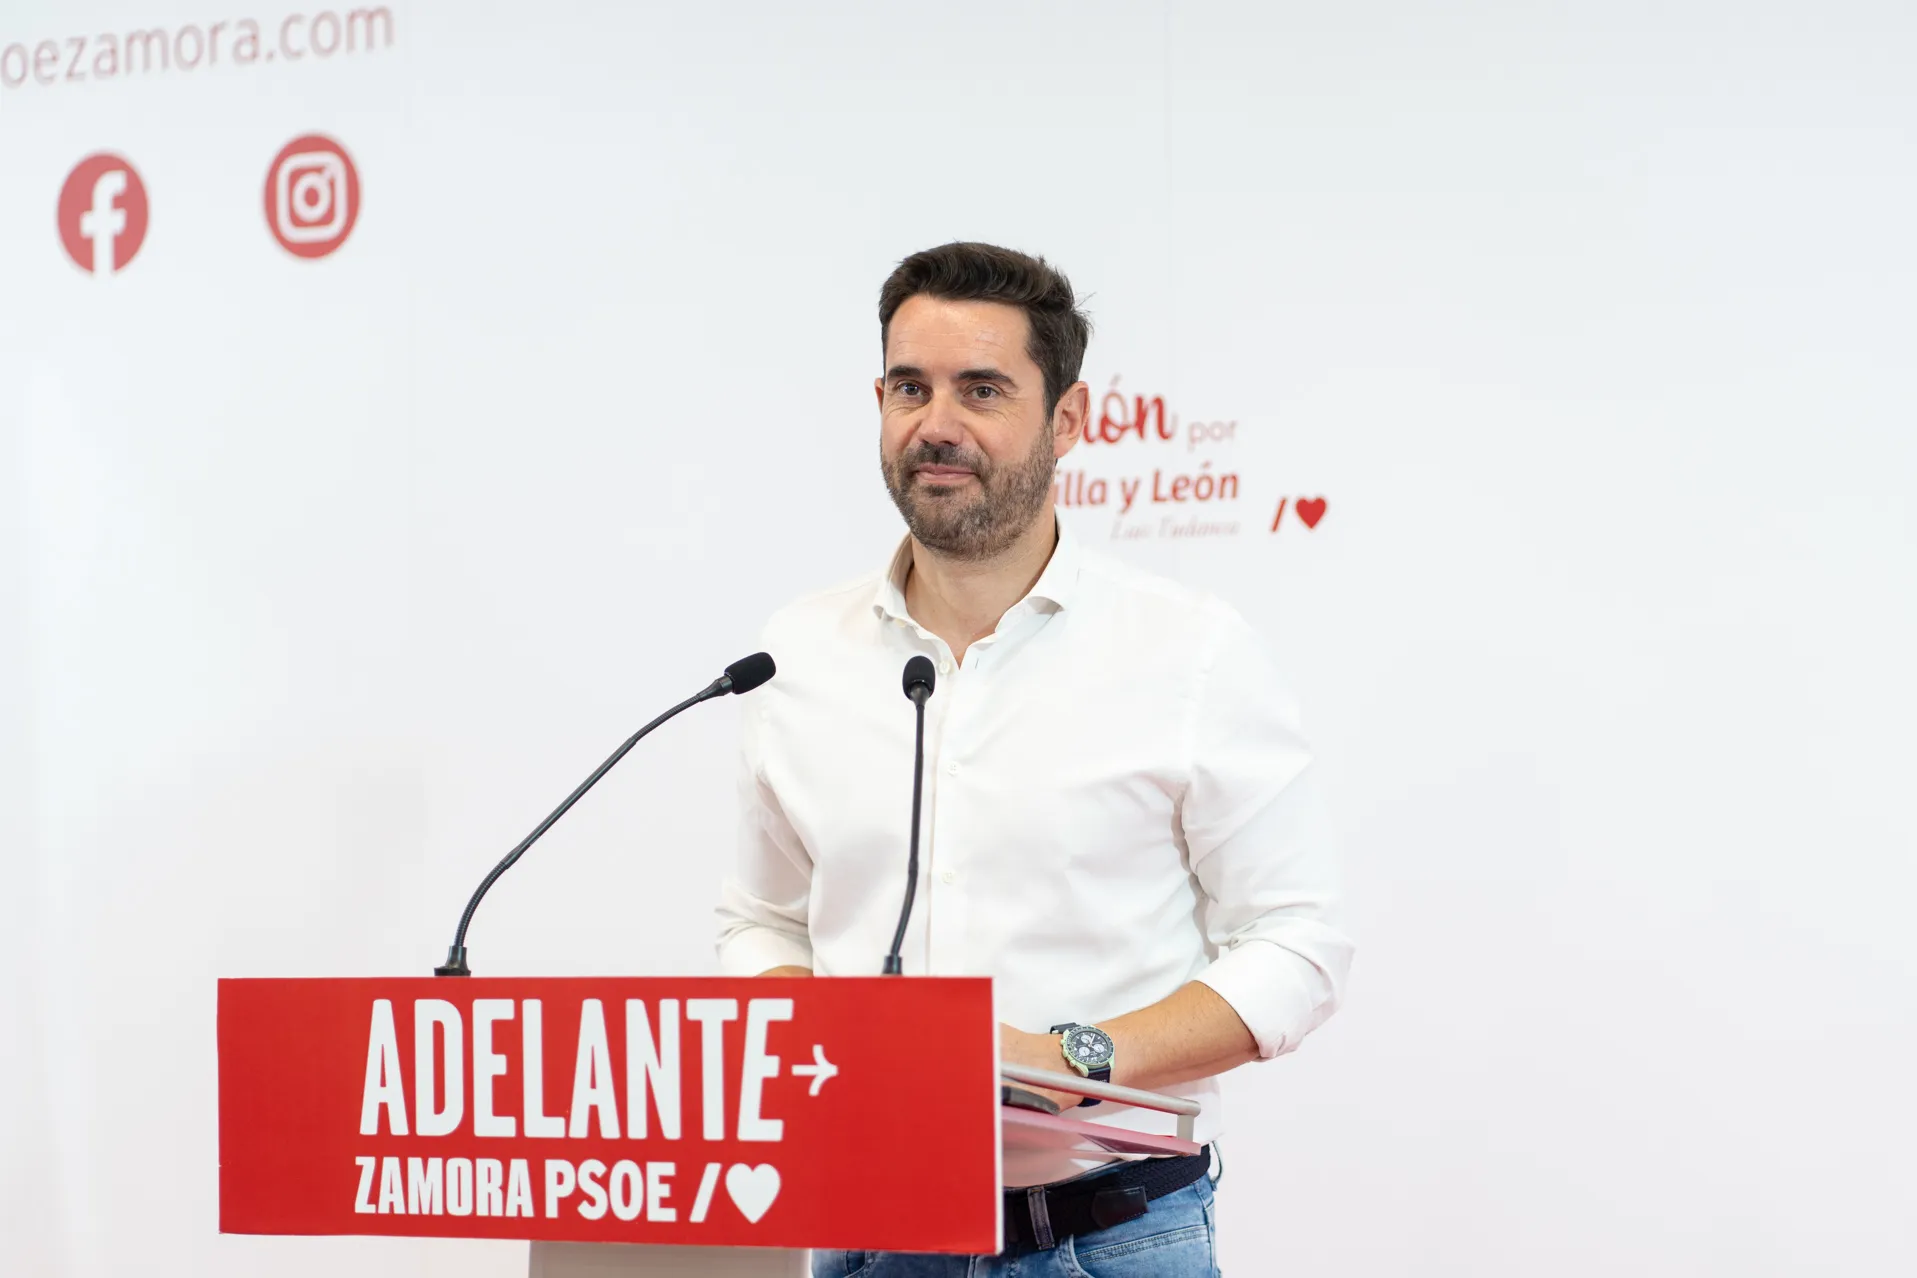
(820, 1071)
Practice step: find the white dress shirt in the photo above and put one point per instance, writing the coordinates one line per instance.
(1117, 801)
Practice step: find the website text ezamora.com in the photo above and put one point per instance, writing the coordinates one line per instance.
(191, 46)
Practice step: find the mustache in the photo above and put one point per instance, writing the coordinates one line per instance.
(942, 455)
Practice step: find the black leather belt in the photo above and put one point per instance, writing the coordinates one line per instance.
(1036, 1218)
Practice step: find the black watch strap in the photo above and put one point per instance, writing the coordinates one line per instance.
(1103, 1074)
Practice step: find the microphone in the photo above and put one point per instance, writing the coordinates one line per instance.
(741, 676)
(920, 679)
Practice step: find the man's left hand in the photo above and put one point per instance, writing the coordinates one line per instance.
(1037, 1051)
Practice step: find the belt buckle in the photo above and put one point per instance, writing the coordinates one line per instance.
(1116, 1206)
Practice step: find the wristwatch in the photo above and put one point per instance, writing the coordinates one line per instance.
(1089, 1051)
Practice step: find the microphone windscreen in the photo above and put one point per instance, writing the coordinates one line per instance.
(920, 674)
(748, 673)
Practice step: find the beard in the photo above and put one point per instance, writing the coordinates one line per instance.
(965, 523)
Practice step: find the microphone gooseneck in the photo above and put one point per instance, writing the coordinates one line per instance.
(919, 680)
(741, 676)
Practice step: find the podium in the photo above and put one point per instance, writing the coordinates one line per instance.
(634, 1126)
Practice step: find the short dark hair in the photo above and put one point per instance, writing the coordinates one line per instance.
(968, 272)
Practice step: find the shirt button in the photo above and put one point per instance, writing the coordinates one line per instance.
(945, 667)
(951, 769)
(949, 876)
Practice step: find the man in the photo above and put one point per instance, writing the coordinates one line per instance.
(1119, 823)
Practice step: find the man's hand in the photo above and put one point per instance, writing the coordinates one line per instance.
(1036, 1051)
(1192, 1034)
(787, 971)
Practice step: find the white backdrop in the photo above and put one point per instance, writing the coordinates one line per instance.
(1591, 325)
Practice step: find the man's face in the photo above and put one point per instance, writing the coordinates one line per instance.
(965, 443)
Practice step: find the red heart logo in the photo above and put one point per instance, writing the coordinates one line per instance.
(1311, 510)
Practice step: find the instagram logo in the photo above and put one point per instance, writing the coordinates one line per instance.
(312, 196)
(102, 214)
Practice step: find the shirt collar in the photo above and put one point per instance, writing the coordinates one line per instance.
(1053, 591)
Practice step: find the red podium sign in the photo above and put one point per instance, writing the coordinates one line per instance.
(856, 1112)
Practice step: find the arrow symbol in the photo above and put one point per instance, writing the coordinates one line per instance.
(820, 1071)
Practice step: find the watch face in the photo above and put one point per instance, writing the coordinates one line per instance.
(1090, 1047)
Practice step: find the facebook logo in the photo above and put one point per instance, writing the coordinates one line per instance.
(102, 214)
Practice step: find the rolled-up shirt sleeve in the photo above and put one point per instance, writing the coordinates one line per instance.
(1261, 847)
(763, 902)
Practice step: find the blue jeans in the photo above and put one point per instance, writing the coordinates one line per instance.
(1171, 1240)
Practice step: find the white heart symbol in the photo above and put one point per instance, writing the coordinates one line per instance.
(752, 1188)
